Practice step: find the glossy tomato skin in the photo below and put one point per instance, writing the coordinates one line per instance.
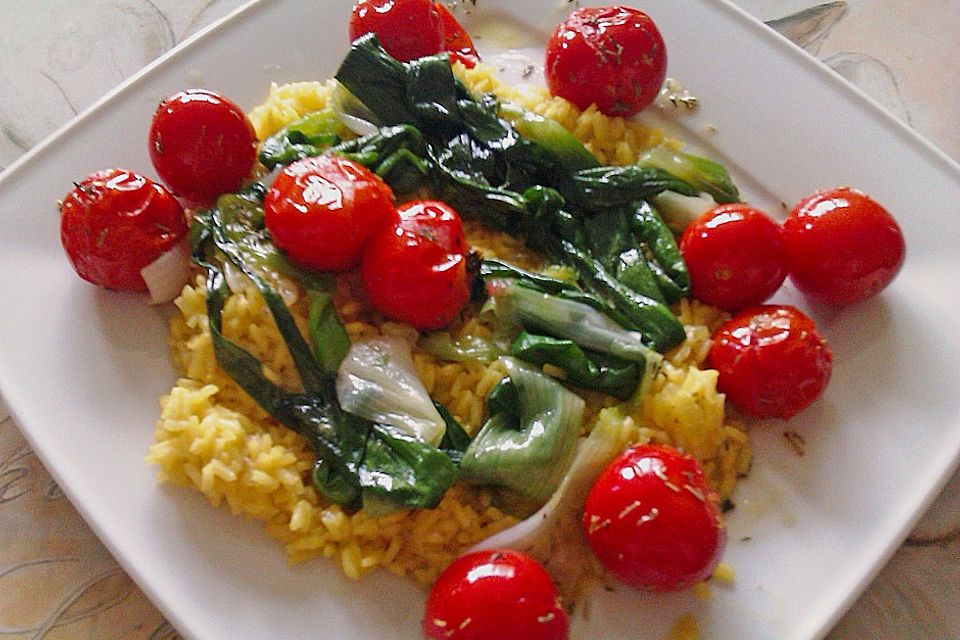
(406, 29)
(735, 256)
(842, 246)
(456, 40)
(772, 361)
(323, 210)
(612, 56)
(500, 594)
(202, 145)
(654, 521)
(416, 269)
(116, 222)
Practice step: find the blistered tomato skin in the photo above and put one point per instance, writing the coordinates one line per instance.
(406, 29)
(501, 594)
(772, 361)
(416, 269)
(653, 520)
(116, 222)
(842, 246)
(612, 56)
(202, 145)
(735, 256)
(322, 211)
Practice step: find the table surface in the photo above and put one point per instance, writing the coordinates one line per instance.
(56, 58)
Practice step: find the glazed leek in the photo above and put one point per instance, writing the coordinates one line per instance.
(525, 446)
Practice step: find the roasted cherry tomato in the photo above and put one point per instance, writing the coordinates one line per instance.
(612, 56)
(735, 256)
(115, 223)
(772, 361)
(653, 520)
(411, 29)
(842, 246)
(202, 145)
(500, 594)
(406, 29)
(415, 270)
(455, 39)
(322, 211)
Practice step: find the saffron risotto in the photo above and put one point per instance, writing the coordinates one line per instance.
(214, 438)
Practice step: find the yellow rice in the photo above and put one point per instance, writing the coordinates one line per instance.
(212, 437)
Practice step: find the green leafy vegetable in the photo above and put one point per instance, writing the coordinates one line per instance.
(525, 451)
(455, 438)
(498, 269)
(651, 318)
(589, 370)
(377, 79)
(665, 258)
(551, 135)
(464, 349)
(327, 334)
(393, 153)
(610, 186)
(561, 317)
(633, 270)
(308, 136)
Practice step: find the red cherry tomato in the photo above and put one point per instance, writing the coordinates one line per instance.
(612, 56)
(415, 270)
(735, 256)
(411, 29)
(772, 361)
(115, 223)
(653, 520)
(201, 145)
(500, 594)
(456, 40)
(842, 246)
(322, 211)
(406, 29)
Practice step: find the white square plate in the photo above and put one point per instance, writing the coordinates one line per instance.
(82, 369)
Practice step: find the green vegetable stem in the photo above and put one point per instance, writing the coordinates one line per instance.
(589, 370)
(524, 449)
(702, 174)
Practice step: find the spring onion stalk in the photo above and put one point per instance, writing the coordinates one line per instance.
(352, 113)
(463, 349)
(377, 381)
(565, 318)
(311, 135)
(701, 173)
(526, 448)
(551, 135)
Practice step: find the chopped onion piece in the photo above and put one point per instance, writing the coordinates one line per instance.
(679, 210)
(377, 380)
(167, 275)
